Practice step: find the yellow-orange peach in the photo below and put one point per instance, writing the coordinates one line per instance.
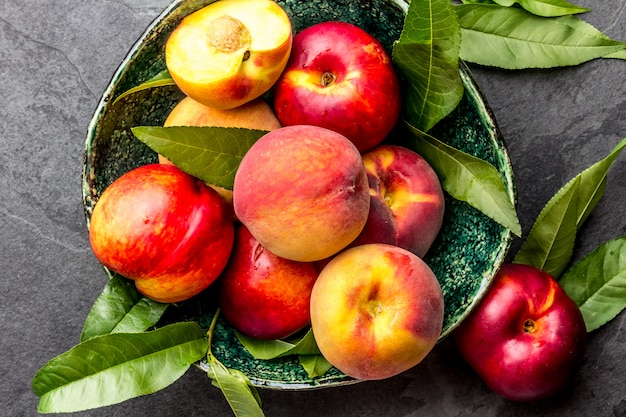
(376, 311)
(302, 192)
(229, 52)
(256, 114)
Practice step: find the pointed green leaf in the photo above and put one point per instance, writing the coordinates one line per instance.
(545, 8)
(314, 365)
(512, 38)
(550, 243)
(265, 349)
(468, 179)
(162, 79)
(427, 57)
(305, 347)
(583, 192)
(271, 349)
(617, 55)
(597, 283)
(239, 393)
(120, 308)
(505, 3)
(593, 183)
(211, 154)
(551, 8)
(116, 367)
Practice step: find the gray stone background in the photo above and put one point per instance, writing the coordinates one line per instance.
(56, 58)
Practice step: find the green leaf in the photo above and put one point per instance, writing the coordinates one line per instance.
(314, 365)
(617, 55)
(211, 154)
(120, 308)
(427, 58)
(115, 367)
(505, 3)
(597, 283)
(551, 8)
(271, 349)
(512, 38)
(162, 79)
(305, 347)
(264, 349)
(237, 389)
(550, 244)
(468, 179)
(583, 193)
(545, 8)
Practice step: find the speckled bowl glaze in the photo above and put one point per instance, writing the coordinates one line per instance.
(465, 256)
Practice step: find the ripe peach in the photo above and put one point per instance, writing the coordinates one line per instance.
(164, 229)
(262, 295)
(256, 114)
(376, 311)
(302, 192)
(407, 204)
(340, 77)
(229, 52)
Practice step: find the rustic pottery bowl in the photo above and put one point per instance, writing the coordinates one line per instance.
(465, 256)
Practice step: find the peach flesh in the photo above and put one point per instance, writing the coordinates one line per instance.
(223, 56)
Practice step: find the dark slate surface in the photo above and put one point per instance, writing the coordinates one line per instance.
(58, 56)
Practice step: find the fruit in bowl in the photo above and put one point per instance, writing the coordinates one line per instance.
(262, 295)
(255, 114)
(302, 192)
(164, 229)
(471, 246)
(340, 77)
(229, 52)
(407, 201)
(376, 311)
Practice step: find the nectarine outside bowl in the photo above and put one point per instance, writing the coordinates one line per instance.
(465, 256)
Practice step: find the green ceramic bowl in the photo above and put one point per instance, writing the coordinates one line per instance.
(465, 256)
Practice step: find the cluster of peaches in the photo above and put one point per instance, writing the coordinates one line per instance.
(325, 226)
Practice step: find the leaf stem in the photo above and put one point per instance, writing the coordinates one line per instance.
(210, 333)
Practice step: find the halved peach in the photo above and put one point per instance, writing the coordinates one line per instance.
(229, 52)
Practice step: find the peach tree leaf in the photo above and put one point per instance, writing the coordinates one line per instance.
(211, 154)
(120, 308)
(427, 58)
(551, 8)
(264, 349)
(468, 178)
(240, 394)
(271, 349)
(617, 55)
(162, 79)
(513, 38)
(545, 8)
(550, 244)
(597, 283)
(585, 191)
(305, 347)
(116, 367)
(314, 365)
